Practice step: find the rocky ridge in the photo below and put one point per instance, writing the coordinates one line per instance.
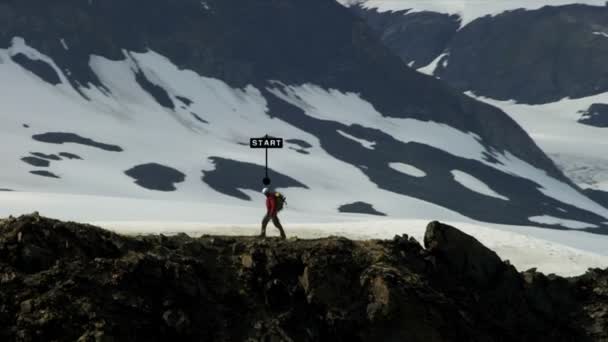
(65, 281)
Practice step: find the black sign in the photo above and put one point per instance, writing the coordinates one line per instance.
(266, 142)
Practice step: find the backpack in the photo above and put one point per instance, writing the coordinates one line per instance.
(280, 200)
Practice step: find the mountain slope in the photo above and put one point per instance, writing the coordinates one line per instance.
(547, 55)
(547, 61)
(533, 52)
(163, 112)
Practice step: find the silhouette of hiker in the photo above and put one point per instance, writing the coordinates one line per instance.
(271, 213)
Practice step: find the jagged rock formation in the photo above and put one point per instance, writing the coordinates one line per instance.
(63, 281)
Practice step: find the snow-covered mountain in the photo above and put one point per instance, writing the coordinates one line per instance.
(542, 62)
(106, 102)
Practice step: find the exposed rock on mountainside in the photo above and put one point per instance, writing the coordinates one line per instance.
(416, 37)
(539, 56)
(598, 195)
(534, 56)
(65, 281)
(596, 115)
(359, 207)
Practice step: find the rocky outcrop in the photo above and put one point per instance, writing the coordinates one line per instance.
(596, 115)
(63, 281)
(463, 254)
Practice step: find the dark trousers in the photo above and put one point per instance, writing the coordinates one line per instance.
(275, 221)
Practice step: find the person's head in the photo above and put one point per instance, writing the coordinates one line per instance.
(266, 191)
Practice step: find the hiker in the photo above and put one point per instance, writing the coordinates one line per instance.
(274, 203)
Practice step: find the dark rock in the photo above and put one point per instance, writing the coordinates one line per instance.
(157, 92)
(37, 67)
(62, 138)
(70, 155)
(46, 156)
(596, 115)
(227, 177)
(34, 161)
(26, 306)
(65, 281)
(184, 100)
(155, 176)
(360, 208)
(299, 142)
(34, 258)
(598, 196)
(418, 38)
(176, 320)
(299, 150)
(466, 256)
(44, 173)
(198, 118)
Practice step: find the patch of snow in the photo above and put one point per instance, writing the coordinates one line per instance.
(546, 219)
(580, 150)
(408, 169)
(64, 44)
(586, 172)
(205, 5)
(429, 69)
(367, 144)
(604, 34)
(475, 184)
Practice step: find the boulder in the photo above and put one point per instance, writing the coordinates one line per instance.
(465, 256)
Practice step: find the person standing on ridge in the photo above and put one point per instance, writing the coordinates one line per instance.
(274, 203)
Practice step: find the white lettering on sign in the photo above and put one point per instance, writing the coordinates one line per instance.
(266, 142)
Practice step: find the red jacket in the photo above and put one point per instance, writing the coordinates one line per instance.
(271, 205)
